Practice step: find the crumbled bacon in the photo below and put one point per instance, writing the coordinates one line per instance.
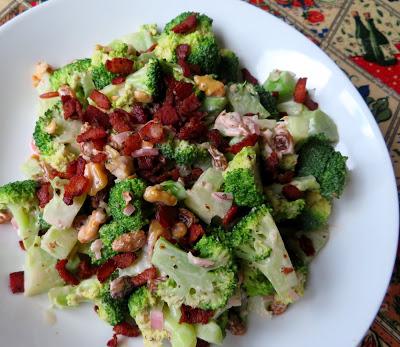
(132, 143)
(16, 282)
(49, 95)
(306, 246)
(152, 131)
(250, 140)
(105, 270)
(144, 277)
(286, 177)
(247, 76)
(71, 107)
(217, 140)
(291, 192)
(118, 80)
(96, 117)
(230, 215)
(188, 105)
(167, 215)
(99, 158)
(196, 231)
(21, 245)
(167, 115)
(138, 115)
(194, 129)
(151, 48)
(310, 103)
(300, 91)
(113, 342)
(124, 260)
(126, 329)
(287, 270)
(182, 90)
(186, 26)
(85, 269)
(65, 274)
(91, 134)
(80, 166)
(99, 144)
(100, 99)
(120, 121)
(44, 194)
(195, 315)
(123, 66)
(76, 186)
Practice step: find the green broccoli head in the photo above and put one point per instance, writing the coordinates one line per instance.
(242, 178)
(55, 138)
(135, 188)
(255, 283)
(148, 79)
(69, 74)
(112, 311)
(318, 158)
(268, 101)
(101, 76)
(191, 284)
(204, 23)
(282, 209)
(316, 212)
(140, 301)
(228, 69)
(183, 152)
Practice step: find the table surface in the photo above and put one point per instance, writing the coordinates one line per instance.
(330, 25)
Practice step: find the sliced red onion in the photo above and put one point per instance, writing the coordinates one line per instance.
(156, 319)
(33, 147)
(120, 138)
(128, 210)
(96, 247)
(199, 261)
(145, 152)
(221, 196)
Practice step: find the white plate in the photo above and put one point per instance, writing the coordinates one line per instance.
(348, 279)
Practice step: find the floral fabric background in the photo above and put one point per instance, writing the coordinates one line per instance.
(341, 28)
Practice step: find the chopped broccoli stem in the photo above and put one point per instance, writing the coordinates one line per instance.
(112, 311)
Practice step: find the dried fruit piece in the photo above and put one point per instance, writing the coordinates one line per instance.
(188, 25)
(247, 76)
(248, 141)
(65, 274)
(123, 66)
(167, 215)
(196, 231)
(91, 134)
(44, 194)
(100, 99)
(146, 275)
(291, 192)
(76, 186)
(195, 315)
(16, 282)
(300, 91)
(126, 329)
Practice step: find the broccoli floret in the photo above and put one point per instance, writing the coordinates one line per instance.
(268, 101)
(318, 158)
(190, 284)
(148, 79)
(282, 209)
(135, 187)
(183, 152)
(228, 69)
(20, 199)
(112, 311)
(69, 74)
(59, 147)
(204, 23)
(255, 283)
(257, 240)
(316, 212)
(242, 178)
(101, 76)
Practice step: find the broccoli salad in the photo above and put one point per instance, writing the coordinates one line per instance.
(170, 189)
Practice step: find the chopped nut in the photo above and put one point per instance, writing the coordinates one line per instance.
(90, 230)
(156, 230)
(209, 85)
(129, 242)
(219, 161)
(179, 230)
(121, 287)
(157, 194)
(41, 69)
(51, 127)
(142, 97)
(97, 176)
(120, 166)
(187, 217)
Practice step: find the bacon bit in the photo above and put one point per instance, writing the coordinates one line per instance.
(182, 90)
(286, 177)
(100, 99)
(167, 115)
(306, 246)
(16, 282)
(151, 48)
(291, 192)
(310, 103)
(113, 342)
(124, 260)
(85, 269)
(118, 80)
(247, 76)
(91, 134)
(21, 245)
(132, 143)
(144, 277)
(195, 315)
(105, 270)
(202, 343)
(121, 66)
(80, 166)
(167, 215)
(49, 95)
(194, 129)
(186, 26)
(96, 117)
(44, 194)
(126, 329)
(300, 91)
(76, 186)
(287, 270)
(99, 158)
(71, 107)
(139, 115)
(248, 141)
(188, 105)
(196, 231)
(120, 121)
(217, 140)
(182, 51)
(99, 144)
(230, 215)
(65, 274)
(152, 132)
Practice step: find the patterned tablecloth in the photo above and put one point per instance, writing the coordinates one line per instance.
(339, 27)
